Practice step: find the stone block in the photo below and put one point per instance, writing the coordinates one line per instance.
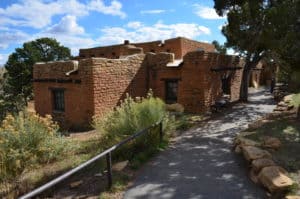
(272, 142)
(246, 142)
(261, 163)
(252, 153)
(120, 166)
(275, 178)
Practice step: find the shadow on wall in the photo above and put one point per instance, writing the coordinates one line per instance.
(139, 84)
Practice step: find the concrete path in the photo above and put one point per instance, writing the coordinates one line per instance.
(200, 164)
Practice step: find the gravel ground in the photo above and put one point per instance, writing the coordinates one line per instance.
(201, 164)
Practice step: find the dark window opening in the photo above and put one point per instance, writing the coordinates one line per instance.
(102, 55)
(168, 50)
(113, 54)
(152, 50)
(92, 55)
(226, 83)
(171, 91)
(58, 100)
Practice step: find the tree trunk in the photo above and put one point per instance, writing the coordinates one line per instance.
(245, 82)
(250, 63)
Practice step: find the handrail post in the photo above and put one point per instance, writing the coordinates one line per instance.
(161, 131)
(109, 169)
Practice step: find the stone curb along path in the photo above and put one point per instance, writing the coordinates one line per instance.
(263, 169)
(200, 163)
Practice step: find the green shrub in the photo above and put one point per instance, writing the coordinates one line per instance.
(130, 117)
(296, 100)
(27, 140)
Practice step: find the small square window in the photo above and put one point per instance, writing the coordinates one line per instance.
(58, 100)
(171, 91)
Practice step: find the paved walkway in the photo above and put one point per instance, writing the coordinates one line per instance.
(200, 164)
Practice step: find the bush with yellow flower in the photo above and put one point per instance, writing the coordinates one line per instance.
(26, 140)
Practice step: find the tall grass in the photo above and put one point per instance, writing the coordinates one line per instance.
(27, 140)
(130, 117)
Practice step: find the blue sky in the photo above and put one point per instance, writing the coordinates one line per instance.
(89, 23)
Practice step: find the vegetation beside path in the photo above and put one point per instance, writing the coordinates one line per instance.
(286, 127)
(40, 152)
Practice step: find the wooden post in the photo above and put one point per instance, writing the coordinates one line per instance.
(161, 132)
(109, 169)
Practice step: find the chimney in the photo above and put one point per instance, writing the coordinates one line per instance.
(126, 42)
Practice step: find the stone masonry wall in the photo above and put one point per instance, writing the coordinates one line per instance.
(188, 45)
(179, 46)
(100, 84)
(77, 92)
(113, 78)
(198, 85)
(159, 72)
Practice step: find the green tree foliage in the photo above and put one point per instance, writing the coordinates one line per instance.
(219, 47)
(18, 76)
(259, 29)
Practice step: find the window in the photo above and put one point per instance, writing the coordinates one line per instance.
(58, 100)
(171, 91)
(168, 50)
(152, 50)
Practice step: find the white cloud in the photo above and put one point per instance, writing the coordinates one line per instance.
(158, 31)
(67, 25)
(152, 11)
(39, 13)
(134, 24)
(206, 12)
(113, 9)
(10, 36)
(3, 59)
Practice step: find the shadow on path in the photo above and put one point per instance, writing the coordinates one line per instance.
(200, 164)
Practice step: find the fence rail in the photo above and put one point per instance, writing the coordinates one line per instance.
(107, 153)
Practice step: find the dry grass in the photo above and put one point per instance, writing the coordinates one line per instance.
(31, 178)
(287, 129)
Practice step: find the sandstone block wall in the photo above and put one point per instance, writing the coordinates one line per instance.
(159, 73)
(179, 46)
(100, 84)
(77, 91)
(198, 85)
(113, 78)
(188, 45)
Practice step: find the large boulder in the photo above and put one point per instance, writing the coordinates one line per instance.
(261, 163)
(275, 178)
(272, 142)
(253, 153)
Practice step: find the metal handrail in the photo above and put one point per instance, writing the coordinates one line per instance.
(106, 153)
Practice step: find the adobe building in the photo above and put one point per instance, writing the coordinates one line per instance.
(191, 74)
